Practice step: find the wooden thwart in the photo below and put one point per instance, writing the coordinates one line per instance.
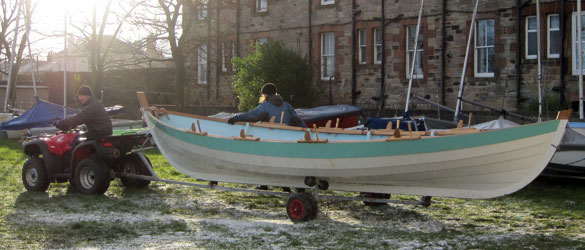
(459, 131)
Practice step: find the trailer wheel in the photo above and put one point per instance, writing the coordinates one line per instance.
(92, 176)
(376, 196)
(301, 207)
(34, 175)
(134, 165)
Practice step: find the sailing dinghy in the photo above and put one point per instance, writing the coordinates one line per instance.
(467, 165)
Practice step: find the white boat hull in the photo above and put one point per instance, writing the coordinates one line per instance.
(477, 172)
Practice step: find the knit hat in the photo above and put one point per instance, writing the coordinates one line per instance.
(84, 90)
(269, 89)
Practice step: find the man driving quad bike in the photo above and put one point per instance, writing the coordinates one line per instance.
(92, 114)
(89, 163)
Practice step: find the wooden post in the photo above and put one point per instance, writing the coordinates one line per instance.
(389, 126)
(199, 126)
(281, 117)
(337, 123)
(469, 121)
(460, 124)
(316, 131)
(409, 129)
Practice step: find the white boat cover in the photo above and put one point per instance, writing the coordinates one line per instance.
(496, 124)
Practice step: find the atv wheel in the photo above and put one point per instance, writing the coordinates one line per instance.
(91, 177)
(134, 165)
(34, 175)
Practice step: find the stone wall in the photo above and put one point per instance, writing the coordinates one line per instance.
(300, 28)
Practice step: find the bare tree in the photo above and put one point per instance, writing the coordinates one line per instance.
(12, 47)
(99, 46)
(165, 20)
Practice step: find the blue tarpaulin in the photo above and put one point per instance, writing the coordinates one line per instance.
(40, 115)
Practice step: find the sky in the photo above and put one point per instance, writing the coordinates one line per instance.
(49, 20)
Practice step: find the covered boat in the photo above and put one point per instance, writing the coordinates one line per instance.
(467, 165)
(569, 160)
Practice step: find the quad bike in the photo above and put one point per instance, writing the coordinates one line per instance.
(89, 165)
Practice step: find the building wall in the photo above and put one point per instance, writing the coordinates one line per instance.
(288, 21)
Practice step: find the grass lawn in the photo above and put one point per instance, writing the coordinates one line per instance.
(547, 214)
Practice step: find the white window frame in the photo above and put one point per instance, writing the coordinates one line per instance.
(223, 56)
(324, 56)
(550, 29)
(261, 5)
(362, 41)
(327, 2)
(202, 64)
(527, 43)
(378, 45)
(203, 11)
(233, 55)
(487, 47)
(417, 74)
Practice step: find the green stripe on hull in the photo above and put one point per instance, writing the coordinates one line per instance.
(359, 149)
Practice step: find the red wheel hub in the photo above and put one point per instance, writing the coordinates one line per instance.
(296, 209)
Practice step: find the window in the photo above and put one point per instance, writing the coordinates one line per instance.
(378, 46)
(576, 42)
(202, 64)
(554, 39)
(223, 55)
(261, 5)
(327, 2)
(418, 67)
(327, 56)
(262, 41)
(531, 38)
(484, 48)
(203, 11)
(362, 45)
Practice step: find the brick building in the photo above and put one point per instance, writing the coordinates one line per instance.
(357, 56)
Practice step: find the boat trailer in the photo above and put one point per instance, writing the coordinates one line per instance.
(301, 206)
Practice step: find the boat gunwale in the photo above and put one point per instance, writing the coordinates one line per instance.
(285, 127)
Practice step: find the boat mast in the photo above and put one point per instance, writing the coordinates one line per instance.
(414, 55)
(461, 84)
(65, 68)
(580, 58)
(538, 53)
(12, 57)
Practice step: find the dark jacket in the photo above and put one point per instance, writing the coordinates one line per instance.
(273, 106)
(95, 118)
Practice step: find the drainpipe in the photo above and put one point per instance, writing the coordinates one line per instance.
(518, 53)
(310, 51)
(562, 65)
(443, 49)
(218, 54)
(382, 71)
(353, 45)
(238, 16)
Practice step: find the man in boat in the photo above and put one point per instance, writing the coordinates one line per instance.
(92, 114)
(272, 105)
